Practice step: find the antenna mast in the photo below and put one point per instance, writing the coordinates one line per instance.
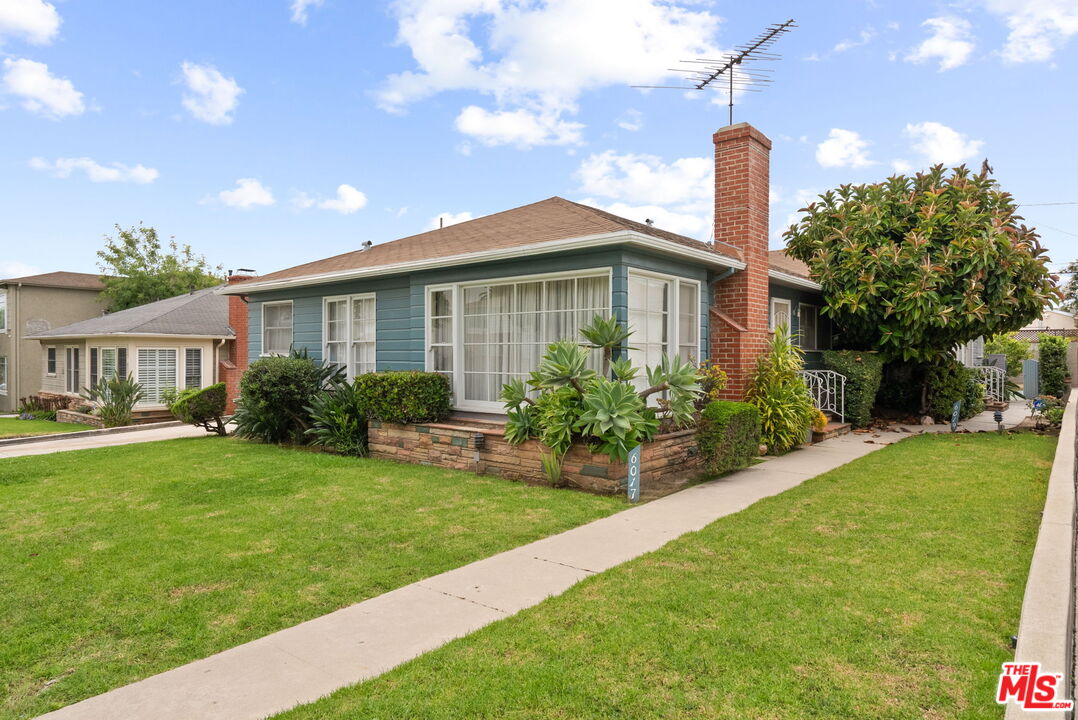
(746, 78)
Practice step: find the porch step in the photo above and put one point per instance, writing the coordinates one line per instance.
(143, 417)
(831, 430)
(993, 405)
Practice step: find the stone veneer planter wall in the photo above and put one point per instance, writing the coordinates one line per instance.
(667, 463)
(71, 416)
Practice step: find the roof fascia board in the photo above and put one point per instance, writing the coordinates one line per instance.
(794, 280)
(129, 335)
(628, 237)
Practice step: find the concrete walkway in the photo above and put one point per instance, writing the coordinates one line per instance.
(305, 662)
(59, 443)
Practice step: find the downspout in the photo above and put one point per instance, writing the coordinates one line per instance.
(14, 396)
(217, 360)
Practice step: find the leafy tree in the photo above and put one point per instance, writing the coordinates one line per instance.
(1070, 287)
(913, 267)
(137, 271)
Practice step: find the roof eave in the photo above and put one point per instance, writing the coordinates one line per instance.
(621, 237)
(73, 336)
(793, 280)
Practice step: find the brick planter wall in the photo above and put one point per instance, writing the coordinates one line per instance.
(666, 464)
(71, 416)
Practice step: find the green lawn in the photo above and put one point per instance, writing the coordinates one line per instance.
(13, 427)
(119, 563)
(888, 588)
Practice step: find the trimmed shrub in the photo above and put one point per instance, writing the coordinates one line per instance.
(863, 371)
(203, 408)
(275, 394)
(1053, 357)
(780, 395)
(338, 421)
(728, 435)
(404, 396)
(954, 381)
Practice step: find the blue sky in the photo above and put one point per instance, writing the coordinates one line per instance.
(266, 134)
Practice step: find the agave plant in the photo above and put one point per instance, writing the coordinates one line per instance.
(116, 398)
(616, 415)
(605, 334)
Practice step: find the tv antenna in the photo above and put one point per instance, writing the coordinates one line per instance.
(705, 72)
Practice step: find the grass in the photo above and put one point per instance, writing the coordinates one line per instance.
(887, 588)
(13, 427)
(122, 562)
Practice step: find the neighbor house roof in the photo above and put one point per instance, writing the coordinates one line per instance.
(202, 313)
(531, 228)
(61, 279)
(782, 267)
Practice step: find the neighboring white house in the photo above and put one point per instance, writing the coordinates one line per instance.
(1052, 320)
(174, 343)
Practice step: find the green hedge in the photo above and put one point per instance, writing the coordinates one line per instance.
(954, 381)
(203, 408)
(404, 396)
(1053, 358)
(728, 435)
(863, 371)
(275, 393)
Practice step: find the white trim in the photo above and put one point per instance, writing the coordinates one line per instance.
(620, 237)
(4, 325)
(771, 313)
(90, 338)
(262, 339)
(7, 373)
(794, 280)
(673, 319)
(800, 331)
(349, 341)
(182, 374)
(55, 361)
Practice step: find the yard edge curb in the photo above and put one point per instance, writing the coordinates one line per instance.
(87, 433)
(1046, 628)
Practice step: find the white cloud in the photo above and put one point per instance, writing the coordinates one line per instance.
(683, 223)
(14, 269)
(211, 96)
(864, 38)
(937, 143)
(248, 193)
(950, 41)
(521, 128)
(843, 148)
(1038, 28)
(539, 57)
(635, 178)
(300, 8)
(447, 219)
(901, 166)
(35, 21)
(41, 92)
(631, 120)
(95, 172)
(347, 201)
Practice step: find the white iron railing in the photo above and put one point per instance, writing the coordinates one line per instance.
(828, 391)
(994, 380)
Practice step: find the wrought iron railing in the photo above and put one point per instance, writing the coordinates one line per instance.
(828, 391)
(994, 380)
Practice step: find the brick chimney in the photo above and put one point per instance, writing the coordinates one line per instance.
(739, 326)
(232, 368)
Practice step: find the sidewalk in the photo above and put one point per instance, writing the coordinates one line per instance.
(59, 443)
(302, 663)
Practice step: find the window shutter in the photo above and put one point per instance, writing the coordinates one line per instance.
(121, 362)
(192, 368)
(93, 367)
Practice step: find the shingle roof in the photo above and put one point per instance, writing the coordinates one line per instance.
(203, 313)
(779, 260)
(61, 279)
(552, 219)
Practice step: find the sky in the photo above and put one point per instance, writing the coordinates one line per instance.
(271, 133)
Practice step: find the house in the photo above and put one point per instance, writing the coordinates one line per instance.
(480, 300)
(37, 303)
(178, 343)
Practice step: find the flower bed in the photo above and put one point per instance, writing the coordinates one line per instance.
(667, 463)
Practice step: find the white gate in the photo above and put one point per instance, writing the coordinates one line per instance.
(828, 391)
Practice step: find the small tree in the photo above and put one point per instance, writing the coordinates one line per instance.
(914, 267)
(137, 271)
(1010, 345)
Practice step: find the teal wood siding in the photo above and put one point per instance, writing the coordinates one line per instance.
(401, 300)
(796, 296)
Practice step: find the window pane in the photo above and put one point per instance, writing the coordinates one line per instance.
(688, 321)
(108, 362)
(192, 368)
(441, 303)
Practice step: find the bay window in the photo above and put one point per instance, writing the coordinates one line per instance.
(277, 328)
(664, 316)
(482, 335)
(348, 333)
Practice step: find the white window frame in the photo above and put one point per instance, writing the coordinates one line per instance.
(4, 376)
(771, 313)
(3, 315)
(816, 345)
(458, 325)
(673, 329)
(101, 359)
(292, 339)
(201, 369)
(55, 361)
(67, 368)
(349, 341)
(138, 367)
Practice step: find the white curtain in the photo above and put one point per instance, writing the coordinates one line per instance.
(363, 334)
(277, 334)
(336, 344)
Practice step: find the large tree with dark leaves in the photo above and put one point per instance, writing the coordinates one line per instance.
(913, 267)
